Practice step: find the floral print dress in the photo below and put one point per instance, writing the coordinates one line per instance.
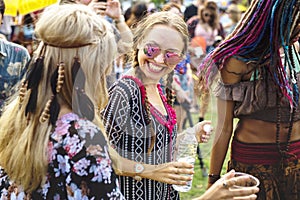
(79, 165)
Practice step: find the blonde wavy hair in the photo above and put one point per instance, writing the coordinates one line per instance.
(66, 32)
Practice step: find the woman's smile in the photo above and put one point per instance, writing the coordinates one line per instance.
(154, 68)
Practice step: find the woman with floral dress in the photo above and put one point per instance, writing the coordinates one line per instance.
(51, 146)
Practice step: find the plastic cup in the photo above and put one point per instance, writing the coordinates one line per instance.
(252, 181)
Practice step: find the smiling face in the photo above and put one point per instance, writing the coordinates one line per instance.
(160, 60)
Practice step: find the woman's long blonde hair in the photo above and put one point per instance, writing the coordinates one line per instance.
(67, 33)
(140, 32)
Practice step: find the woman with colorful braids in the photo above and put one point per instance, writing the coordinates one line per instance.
(140, 120)
(257, 72)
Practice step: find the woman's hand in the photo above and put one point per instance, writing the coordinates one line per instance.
(203, 131)
(98, 6)
(111, 8)
(170, 173)
(222, 189)
(182, 96)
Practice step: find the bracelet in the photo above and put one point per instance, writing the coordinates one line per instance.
(119, 20)
(137, 178)
(212, 178)
(138, 169)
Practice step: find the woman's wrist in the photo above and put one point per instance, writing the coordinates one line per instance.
(119, 19)
(145, 171)
(212, 178)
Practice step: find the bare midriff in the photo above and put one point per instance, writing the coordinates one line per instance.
(257, 131)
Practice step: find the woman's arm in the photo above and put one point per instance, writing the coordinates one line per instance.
(113, 10)
(170, 173)
(221, 140)
(231, 73)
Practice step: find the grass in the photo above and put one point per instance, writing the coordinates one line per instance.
(200, 183)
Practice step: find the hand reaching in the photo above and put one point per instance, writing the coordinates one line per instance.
(98, 7)
(203, 131)
(111, 8)
(222, 189)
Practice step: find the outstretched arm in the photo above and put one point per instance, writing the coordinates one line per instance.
(231, 73)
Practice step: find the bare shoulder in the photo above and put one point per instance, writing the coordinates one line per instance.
(233, 71)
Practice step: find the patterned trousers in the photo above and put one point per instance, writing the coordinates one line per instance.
(277, 182)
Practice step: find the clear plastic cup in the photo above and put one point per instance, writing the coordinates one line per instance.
(252, 181)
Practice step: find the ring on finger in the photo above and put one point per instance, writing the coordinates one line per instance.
(225, 185)
(235, 182)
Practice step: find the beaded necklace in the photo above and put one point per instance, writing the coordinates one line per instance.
(168, 123)
(171, 121)
(284, 147)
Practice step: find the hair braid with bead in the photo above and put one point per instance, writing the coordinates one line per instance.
(169, 91)
(52, 107)
(139, 75)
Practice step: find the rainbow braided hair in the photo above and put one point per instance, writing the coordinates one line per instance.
(264, 29)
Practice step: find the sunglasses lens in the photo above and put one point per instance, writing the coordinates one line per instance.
(172, 58)
(151, 50)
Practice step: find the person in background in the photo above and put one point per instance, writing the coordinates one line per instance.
(180, 3)
(256, 71)
(192, 10)
(139, 119)
(138, 11)
(183, 85)
(26, 30)
(234, 15)
(111, 10)
(13, 59)
(172, 7)
(6, 27)
(127, 13)
(206, 25)
(118, 67)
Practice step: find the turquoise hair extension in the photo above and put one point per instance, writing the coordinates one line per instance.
(280, 76)
(287, 18)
